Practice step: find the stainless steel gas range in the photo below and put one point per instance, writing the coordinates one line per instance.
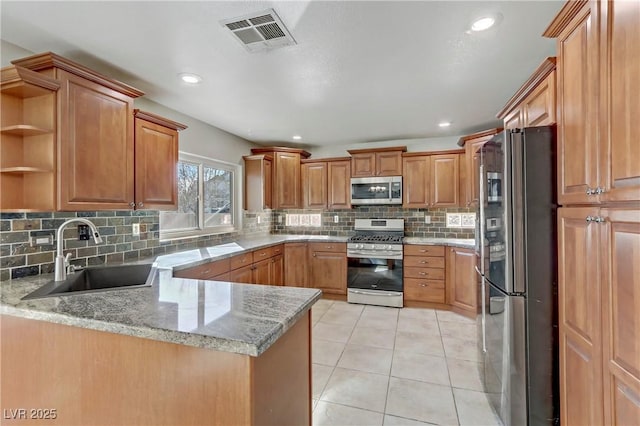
(375, 262)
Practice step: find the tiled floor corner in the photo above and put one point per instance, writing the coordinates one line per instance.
(385, 366)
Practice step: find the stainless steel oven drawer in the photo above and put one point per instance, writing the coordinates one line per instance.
(375, 297)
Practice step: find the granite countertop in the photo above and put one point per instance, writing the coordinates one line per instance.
(225, 316)
(195, 257)
(451, 242)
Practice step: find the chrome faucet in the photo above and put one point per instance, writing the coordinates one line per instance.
(62, 262)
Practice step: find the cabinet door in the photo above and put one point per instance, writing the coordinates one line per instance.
(268, 183)
(415, 181)
(261, 272)
(473, 169)
(463, 181)
(620, 93)
(96, 151)
(363, 165)
(579, 310)
(295, 263)
(329, 272)
(242, 275)
(577, 114)
(461, 280)
(287, 180)
(620, 244)
(389, 163)
(514, 119)
(276, 271)
(444, 180)
(156, 160)
(539, 108)
(314, 185)
(339, 184)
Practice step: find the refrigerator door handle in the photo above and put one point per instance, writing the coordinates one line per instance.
(482, 218)
(484, 311)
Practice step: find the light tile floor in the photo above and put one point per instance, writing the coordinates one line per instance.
(386, 366)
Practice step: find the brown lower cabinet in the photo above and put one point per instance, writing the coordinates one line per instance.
(295, 264)
(599, 315)
(328, 266)
(263, 266)
(462, 282)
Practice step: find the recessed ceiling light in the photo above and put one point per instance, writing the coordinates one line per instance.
(483, 23)
(190, 78)
(297, 137)
(444, 124)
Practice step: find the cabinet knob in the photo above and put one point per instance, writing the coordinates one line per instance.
(314, 255)
(132, 205)
(424, 285)
(589, 219)
(140, 204)
(590, 191)
(599, 190)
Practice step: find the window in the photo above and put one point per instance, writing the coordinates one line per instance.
(207, 194)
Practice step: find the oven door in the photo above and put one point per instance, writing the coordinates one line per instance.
(374, 281)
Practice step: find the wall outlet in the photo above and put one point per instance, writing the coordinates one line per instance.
(336, 219)
(42, 240)
(279, 218)
(427, 219)
(135, 229)
(258, 220)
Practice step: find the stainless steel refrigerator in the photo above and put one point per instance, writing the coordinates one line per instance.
(516, 252)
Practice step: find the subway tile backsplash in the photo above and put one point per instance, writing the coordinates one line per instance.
(415, 225)
(18, 258)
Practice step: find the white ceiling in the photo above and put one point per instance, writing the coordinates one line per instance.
(361, 71)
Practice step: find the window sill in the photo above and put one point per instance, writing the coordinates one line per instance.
(195, 233)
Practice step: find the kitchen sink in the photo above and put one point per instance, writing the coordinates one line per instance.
(97, 279)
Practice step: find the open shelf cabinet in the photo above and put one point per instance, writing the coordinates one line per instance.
(27, 140)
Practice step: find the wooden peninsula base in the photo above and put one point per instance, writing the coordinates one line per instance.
(92, 377)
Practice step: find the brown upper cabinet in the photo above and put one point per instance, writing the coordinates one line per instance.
(326, 184)
(94, 135)
(27, 143)
(598, 103)
(472, 143)
(377, 162)
(258, 189)
(285, 177)
(156, 158)
(431, 179)
(534, 104)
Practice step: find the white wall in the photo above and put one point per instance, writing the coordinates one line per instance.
(413, 145)
(199, 138)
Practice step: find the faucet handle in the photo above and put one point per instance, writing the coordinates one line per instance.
(66, 258)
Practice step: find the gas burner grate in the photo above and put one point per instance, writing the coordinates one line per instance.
(376, 239)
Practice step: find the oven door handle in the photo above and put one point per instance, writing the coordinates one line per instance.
(369, 293)
(378, 255)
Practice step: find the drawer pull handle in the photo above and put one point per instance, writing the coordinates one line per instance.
(263, 254)
(423, 273)
(423, 261)
(424, 285)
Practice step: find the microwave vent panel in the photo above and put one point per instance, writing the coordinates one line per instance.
(260, 31)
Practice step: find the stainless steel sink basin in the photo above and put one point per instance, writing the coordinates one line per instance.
(97, 279)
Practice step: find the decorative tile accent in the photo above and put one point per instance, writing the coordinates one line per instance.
(454, 220)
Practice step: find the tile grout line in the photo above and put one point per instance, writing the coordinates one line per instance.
(393, 352)
(446, 360)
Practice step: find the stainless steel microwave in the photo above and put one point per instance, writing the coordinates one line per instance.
(376, 190)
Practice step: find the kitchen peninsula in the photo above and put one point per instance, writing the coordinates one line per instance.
(179, 352)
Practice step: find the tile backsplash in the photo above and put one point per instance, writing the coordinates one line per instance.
(415, 225)
(18, 258)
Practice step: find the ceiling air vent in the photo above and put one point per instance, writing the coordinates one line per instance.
(260, 31)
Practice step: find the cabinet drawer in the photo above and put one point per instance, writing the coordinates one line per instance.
(413, 250)
(241, 260)
(424, 262)
(328, 247)
(276, 250)
(430, 273)
(206, 271)
(262, 254)
(424, 290)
